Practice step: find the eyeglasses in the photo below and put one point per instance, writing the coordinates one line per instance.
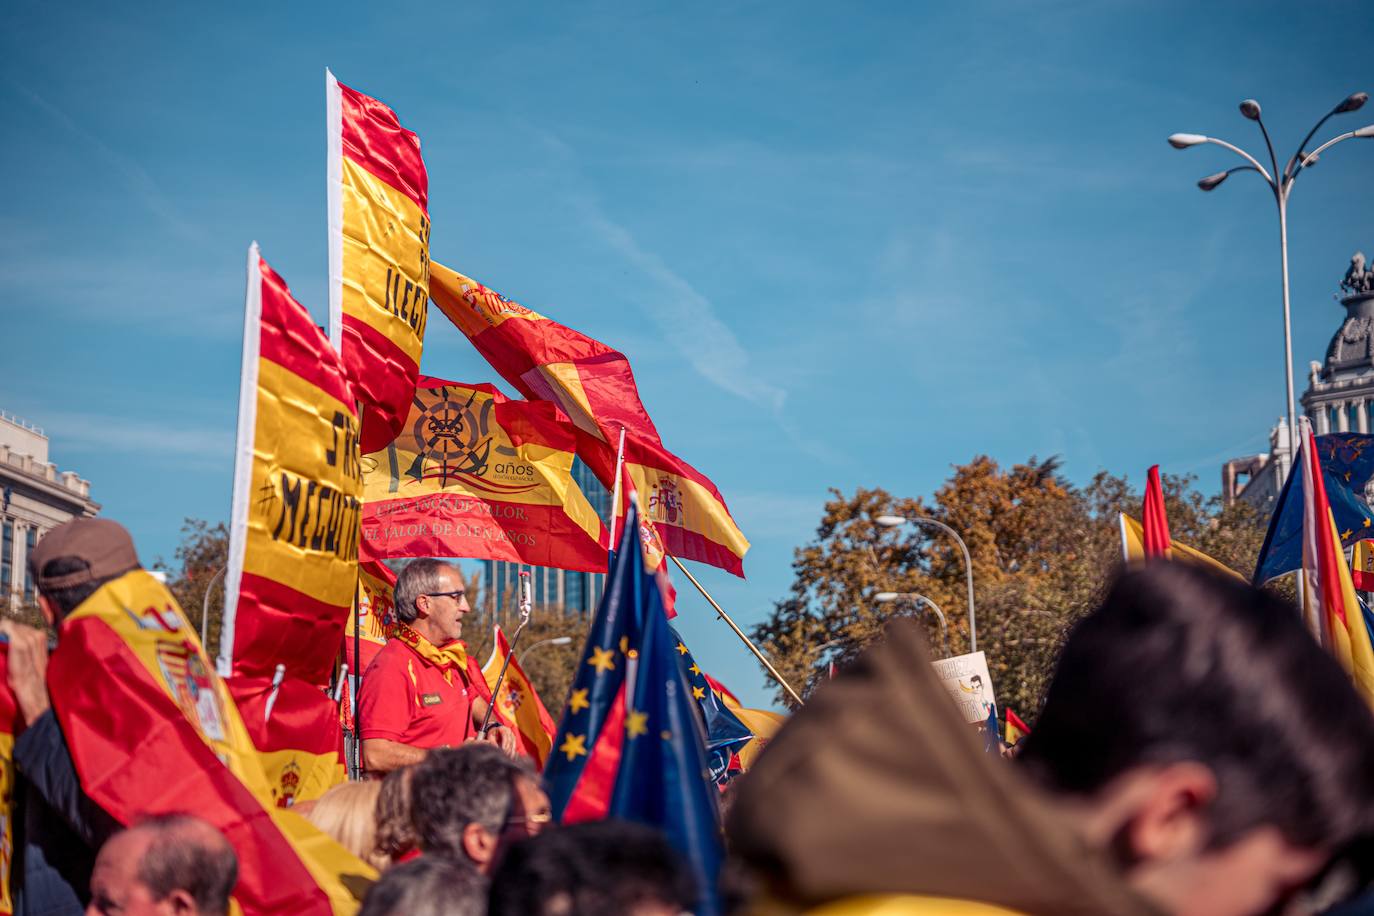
(529, 820)
(455, 595)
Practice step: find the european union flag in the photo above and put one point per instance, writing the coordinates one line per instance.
(631, 744)
(1347, 463)
(725, 733)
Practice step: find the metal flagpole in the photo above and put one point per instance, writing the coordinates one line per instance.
(738, 632)
(526, 606)
(615, 491)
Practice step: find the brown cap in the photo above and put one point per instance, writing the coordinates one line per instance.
(105, 545)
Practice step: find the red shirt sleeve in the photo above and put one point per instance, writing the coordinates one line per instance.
(386, 699)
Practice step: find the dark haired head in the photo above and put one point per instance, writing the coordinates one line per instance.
(428, 886)
(66, 600)
(590, 869)
(455, 787)
(1185, 665)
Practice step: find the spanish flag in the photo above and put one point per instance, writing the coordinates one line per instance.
(477, 475)
(1362, 565)
(1156, 522)
(594, 386)
(1133, 548)
(293, 537)
(376, 615)
(1016, 729)
(1329, 603)
(295, 728)
(152, 729)
(378, 255)
(518, 704)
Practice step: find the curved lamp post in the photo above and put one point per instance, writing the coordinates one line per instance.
(894, 521)
(205, 609)
(889, 597)
(1281, 184)
(551, 641)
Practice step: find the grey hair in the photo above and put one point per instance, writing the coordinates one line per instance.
(428, 886)
(419, 577)
(453, 787)
(188, 854)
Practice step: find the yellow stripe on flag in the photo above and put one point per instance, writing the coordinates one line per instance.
(1133, 548)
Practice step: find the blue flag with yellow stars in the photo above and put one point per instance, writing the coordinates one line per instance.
(631, 743)
(725, 733)
(1347, 463)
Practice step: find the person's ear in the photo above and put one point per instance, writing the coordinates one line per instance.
(48, 608)
(179, 903)
(421, 606)
(1170, 818)
(479, 844)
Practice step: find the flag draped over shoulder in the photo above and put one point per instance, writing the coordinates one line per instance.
(630, 744)
(518, 704)
(376, 614)
(153, 730)
(1133, 548)
(1330, 605)
(293, 538)
(378, 255)
(1346, 465)
(1156, 522)
(477, 475)
(10, 727)
(594, 386)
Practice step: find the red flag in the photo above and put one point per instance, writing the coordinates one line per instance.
(10, 727)
(519, 705)
(295, 727)
(594, 385)
(1157, 543)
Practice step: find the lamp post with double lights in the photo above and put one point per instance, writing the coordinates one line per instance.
(1281, 185)
(895, 521)
(889, 597)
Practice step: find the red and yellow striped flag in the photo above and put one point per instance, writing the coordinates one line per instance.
(295, 728)
(152, 729)
(293, 539)
(1329, 602)
(378, 255)
(10, 727)
(594, 386)
(376, 614)
(477, 475)
(518, 705)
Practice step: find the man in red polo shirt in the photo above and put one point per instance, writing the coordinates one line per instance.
(422, 691)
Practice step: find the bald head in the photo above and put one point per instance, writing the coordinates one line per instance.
(168, 865)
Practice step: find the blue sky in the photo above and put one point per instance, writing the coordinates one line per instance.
(843, 245)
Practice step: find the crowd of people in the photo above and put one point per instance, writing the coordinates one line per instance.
(1196, 753)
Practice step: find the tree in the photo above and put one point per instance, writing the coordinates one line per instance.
(202, 556)
(1042, 550)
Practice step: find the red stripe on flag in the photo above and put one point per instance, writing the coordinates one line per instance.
(275, 623)
(591, 797)
(1329, 554)
(384, 379)
(374, 138)
(290, 339)
(1153, 518)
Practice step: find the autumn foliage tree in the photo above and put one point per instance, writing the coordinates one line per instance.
(1042, 552)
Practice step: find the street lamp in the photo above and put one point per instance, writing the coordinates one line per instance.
(552, 641)
(894, 521)
(889, 597)
(1281, 184)
(205, 608)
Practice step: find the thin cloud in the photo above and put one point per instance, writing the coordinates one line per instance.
(688, 319)
(144, 188)
(86, 431)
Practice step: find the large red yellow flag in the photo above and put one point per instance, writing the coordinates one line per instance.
(152, 729)
(1133, 548)
(378, 255)
(518, 704)
(594, 386)
(1329, 601)
(295, 728)
(293, 539)
(477, 475)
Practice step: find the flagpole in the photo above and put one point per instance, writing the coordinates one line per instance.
(738, 632)
(615, 493)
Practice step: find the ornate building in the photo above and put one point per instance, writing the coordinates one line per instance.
(1339, 396)
(34, 498)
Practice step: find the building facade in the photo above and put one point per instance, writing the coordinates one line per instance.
(574, 592)
(35, 497)
(1339, 396)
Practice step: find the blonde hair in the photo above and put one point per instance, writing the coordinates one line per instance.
(348, 813)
